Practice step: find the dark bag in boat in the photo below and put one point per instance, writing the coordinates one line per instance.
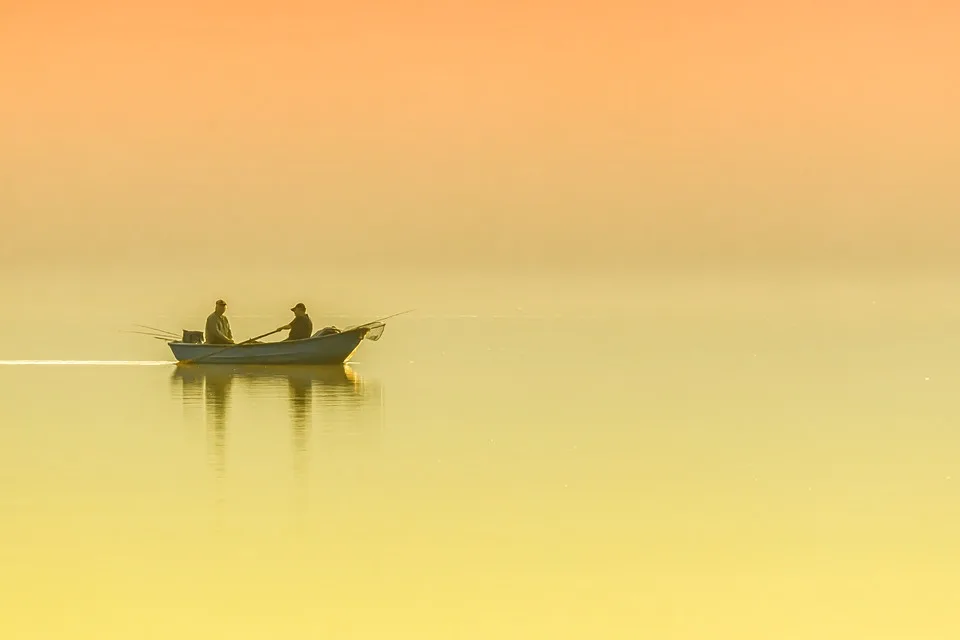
(193, 337)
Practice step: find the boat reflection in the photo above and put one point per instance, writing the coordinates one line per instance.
(337, 390)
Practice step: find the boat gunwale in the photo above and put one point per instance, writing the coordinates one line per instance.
(314, 338)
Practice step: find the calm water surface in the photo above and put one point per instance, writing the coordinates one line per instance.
(601, 456)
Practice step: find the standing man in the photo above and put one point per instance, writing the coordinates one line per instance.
(218, 327)
(302, 326)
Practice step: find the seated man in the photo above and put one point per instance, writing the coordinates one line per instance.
(217, 330)
(301, 327)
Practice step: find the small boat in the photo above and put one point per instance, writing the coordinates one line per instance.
(319, 349)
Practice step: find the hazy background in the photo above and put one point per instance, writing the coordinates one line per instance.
(643, 394)
(436, 133)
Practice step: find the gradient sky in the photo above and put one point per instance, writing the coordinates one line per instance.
(434, 132)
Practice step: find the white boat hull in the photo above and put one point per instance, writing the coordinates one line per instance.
(329, 349)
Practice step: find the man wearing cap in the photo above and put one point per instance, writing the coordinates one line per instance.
(302, 326)
(218, 327)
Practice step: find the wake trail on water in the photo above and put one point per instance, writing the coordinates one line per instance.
(88, 363)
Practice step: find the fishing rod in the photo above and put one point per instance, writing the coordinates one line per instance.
(143, 326)
(393, 315)
(152, 335)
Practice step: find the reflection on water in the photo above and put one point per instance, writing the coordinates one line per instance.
(344, 401)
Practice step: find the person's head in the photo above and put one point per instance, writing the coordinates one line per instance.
(299, 310)
(221, 307)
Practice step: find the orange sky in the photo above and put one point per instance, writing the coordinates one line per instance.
(430, 131)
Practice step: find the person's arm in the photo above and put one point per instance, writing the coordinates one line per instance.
(229, 332)
(210, 331)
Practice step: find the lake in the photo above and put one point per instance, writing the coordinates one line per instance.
(527, 455)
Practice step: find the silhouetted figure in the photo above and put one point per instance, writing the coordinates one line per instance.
(301, 326)
(217, 330)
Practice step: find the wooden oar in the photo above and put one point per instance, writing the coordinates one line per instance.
(229, 346)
